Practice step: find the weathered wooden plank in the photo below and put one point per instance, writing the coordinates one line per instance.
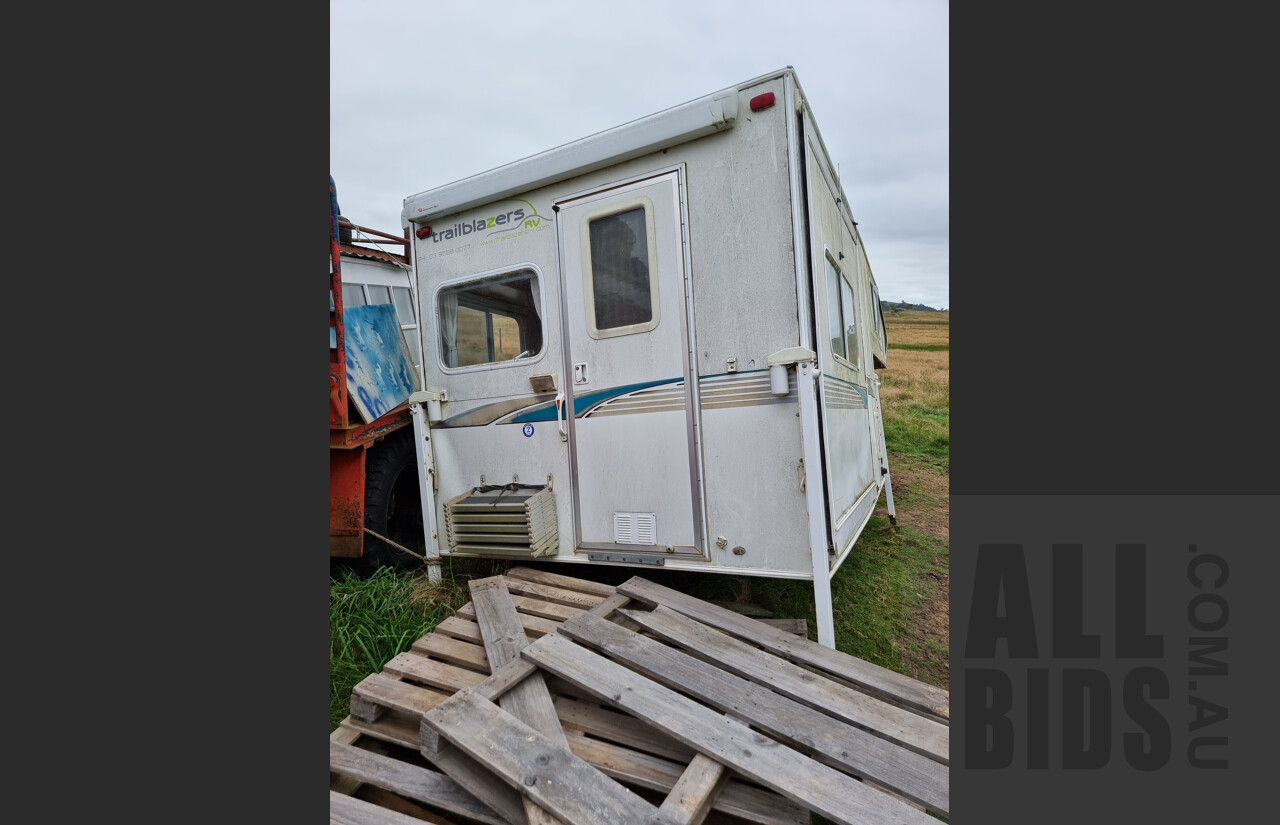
(822, 789)
(694, 793)
(345, 735)
(421, 784)
(625, 764)
(504, 638)
(556, 580)
(556, 595)
(461, 629)
(551, 775)
(833, 741)
(612, 726)
(796, 627)
(922, 734)
(403, 729)
(479, 782)
(502, 679)
(453, 651)
(386, 799)
(432, 673)
(534, 626)
(910, 692)
(542, 608)
(393, 726)
(364, 710)
(347, 810)
(380, 690)
(644, 770)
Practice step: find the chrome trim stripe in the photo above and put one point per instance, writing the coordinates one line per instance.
(840, 395)
(715, 392)
(748, 389)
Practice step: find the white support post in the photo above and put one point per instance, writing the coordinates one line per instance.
(807, 373)
(426, 485)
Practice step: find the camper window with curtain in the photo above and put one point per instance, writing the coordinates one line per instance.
(490, 320)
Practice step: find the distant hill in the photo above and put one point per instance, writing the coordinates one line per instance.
(894, 306)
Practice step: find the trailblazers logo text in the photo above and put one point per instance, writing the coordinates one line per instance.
(510, 221)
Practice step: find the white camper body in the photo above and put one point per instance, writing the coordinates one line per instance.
(654, 346)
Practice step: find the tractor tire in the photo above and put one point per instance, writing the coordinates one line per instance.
(393, 503)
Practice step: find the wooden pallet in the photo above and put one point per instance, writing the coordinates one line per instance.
(551, 699)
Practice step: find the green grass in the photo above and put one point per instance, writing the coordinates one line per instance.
(921, 431)
(370, 622)
(874, 591)
(923, 347)
(872, 594)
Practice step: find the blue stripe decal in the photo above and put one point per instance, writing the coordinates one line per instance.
(542, 412)
(583, 403)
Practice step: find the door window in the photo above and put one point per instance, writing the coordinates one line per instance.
(621, 270)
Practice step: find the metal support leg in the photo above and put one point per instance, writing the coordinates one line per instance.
(426, 484)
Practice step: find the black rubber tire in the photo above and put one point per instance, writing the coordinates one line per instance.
(392, 503)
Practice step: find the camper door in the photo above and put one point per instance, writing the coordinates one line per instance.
(847, 435)
(631, 404)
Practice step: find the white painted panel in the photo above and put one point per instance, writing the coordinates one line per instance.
(636, 464)
(754, 500)
(500, 452)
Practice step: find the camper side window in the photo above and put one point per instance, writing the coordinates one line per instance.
(877, 318)
(622, 290)
(490, 320)
(841, 318)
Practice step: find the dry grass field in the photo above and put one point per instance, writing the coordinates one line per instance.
(916, 399)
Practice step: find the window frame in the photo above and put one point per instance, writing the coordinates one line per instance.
(540, 315)
(843, 287)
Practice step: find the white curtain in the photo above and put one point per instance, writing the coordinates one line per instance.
(449, 327)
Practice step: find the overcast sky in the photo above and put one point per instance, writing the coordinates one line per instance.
(426, 92)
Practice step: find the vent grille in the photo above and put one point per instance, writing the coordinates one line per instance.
(635, 528)
(501, 521)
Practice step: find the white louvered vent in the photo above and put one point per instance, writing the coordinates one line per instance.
(635, 528)
(503, 521)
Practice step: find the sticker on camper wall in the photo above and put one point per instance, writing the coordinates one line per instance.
(528, 430)
(513, 221)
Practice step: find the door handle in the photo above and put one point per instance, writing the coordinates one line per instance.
(560, 404)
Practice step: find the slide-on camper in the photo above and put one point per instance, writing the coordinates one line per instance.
(654, 346)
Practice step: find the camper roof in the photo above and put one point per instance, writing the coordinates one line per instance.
(705, 115)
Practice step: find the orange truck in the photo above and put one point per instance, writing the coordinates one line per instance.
(375, 508)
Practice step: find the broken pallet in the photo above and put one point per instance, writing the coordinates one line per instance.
(551, 699)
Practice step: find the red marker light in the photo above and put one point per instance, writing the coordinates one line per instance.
(423, 231)
(763, 101)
